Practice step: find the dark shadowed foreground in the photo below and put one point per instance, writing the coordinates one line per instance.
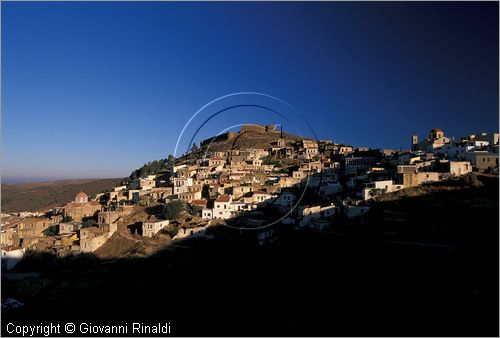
(419, 266)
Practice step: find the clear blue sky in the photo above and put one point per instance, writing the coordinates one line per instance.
(97, 89)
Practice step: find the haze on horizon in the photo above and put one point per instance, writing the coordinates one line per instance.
(95, 89)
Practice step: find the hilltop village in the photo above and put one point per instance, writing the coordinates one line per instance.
(286, 181)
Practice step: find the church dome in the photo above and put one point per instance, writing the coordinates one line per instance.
(81, 197)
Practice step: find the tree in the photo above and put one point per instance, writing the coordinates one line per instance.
(173, 209)
(88, 222)
(170, 159)
(67, 218)
(150, 168)
(51, 231)
(205, 192)
(193, 210)
(194, 147)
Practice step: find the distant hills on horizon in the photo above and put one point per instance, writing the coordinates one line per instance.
(47, 180)
(38, 196)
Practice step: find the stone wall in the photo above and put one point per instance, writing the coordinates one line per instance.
(415, 179)
(257, 128)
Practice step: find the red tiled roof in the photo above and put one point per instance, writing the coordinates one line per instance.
(202, 202)
(223, 198)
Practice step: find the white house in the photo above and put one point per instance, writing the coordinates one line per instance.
(450, 151)
(11, 256)
(189, 196)
(238, 206)
(385, 186)
(299, 174)
(308, 214)
(69, 227)
(476, 143)
(207, 214)
(222, 207)
(352, 211)
(151, 228)
(260, 196)
(328, 211)
(182, 185)
(147, 183)
(176, 168)
(459, 168)
(310, 148)
(285, 199)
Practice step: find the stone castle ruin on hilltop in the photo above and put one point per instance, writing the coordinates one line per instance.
(245, 128)
(257, 128)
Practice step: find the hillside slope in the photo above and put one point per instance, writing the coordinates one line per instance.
(251, 140)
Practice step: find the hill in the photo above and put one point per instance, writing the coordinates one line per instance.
(243, 140)
(43, 195)
(249, 140)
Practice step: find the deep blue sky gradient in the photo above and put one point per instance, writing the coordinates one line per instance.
(97, 89)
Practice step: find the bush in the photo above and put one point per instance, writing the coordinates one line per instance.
(88, 222)
(150, 168)
(169, 230)
(51, 231)
(271, 161)
(193, 211)
(471, 180)
(173, 210)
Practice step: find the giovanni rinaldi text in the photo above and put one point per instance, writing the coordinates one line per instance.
(51, 329)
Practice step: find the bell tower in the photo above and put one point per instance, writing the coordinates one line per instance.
(414, 142)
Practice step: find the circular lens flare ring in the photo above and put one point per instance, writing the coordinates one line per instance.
(226, 109)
